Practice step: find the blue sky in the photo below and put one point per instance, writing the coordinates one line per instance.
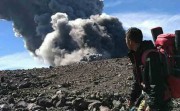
(144, 14)
(148, 6)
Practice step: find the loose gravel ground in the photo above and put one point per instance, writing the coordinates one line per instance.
(78, 87)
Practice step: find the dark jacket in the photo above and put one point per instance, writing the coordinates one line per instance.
(150, 74)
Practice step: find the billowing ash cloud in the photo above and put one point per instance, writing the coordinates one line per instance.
(65, 31)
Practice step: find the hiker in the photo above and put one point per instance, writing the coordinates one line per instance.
(149, 80)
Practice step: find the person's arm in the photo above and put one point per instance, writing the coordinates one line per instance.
(136, 88)
(135, 91)
(154, 80)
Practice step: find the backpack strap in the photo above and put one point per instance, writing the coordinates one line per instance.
(144, 60)
(145, 54)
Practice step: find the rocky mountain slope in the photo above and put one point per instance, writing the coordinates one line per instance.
(77, 87)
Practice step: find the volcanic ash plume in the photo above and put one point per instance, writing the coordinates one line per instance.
(62, 32)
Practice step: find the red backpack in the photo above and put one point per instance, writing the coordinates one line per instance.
(165, 45)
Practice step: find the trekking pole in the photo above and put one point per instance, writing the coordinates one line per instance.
(138, 102)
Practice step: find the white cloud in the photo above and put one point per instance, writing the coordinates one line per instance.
(146, 21)
(113, 4)
(21, 60)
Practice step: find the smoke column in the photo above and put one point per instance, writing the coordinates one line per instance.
(62, 32)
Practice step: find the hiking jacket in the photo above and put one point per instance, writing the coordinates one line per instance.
(155, 84)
